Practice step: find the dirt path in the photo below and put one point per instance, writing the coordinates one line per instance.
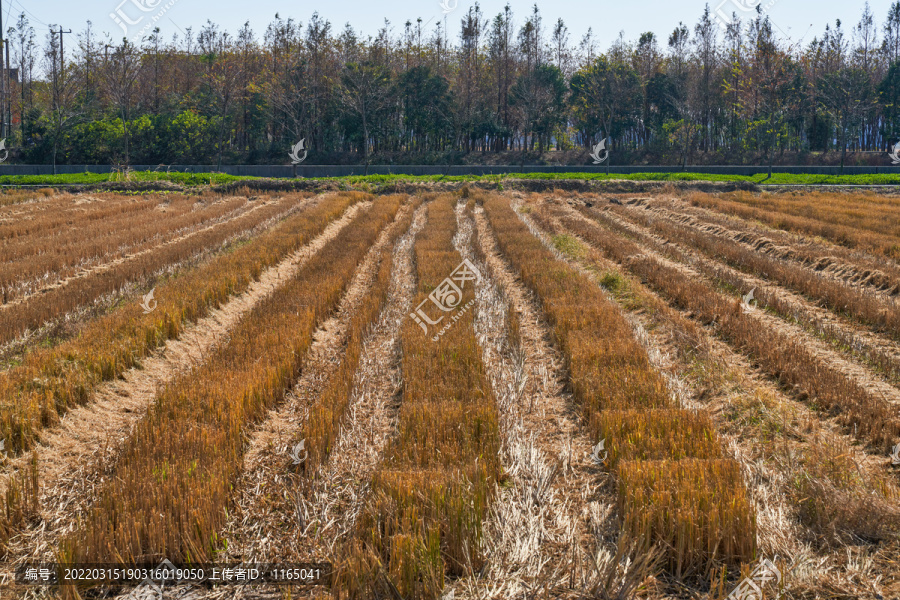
(283, 516)
(542, 529)
(701, 267)
(79, 454)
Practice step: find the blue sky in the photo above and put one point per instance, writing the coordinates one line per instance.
(796, 19)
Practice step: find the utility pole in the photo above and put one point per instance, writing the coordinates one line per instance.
(9, 94)
(62, 54)
(4, 127)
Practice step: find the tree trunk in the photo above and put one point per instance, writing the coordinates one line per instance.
(771, 147)
(221, 138)
(843, 143)
(125, 133)
(365, 141)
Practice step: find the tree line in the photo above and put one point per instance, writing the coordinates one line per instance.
(495, 90)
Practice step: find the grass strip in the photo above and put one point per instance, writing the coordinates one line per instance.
(202, 179)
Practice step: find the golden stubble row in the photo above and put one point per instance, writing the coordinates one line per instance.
(864, 221)
(878, 312)
(430, 495)
(874, 354)
(870, 417)
(50, 381)
(830, 497)
(56, 302)
(175, 477)
(676, 489)
(323, 425)
(84, 242)
(47, 213)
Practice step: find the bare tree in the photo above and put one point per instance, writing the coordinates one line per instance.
(707, 58)
(25, 57)
(223, 76)
(501, 53)
(562, 52)
(365, 90)
(62, 91)
(120, 74)
(891, 43)
(646, 60)
(682, 98)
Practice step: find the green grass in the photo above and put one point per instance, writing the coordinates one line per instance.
(198, 179)
(188, 179)
(568, 245)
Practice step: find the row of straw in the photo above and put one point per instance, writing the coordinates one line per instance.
(50, 381)
(676, 489)
(323, 425)
(429, 496)
(174, 480)
(868, 415)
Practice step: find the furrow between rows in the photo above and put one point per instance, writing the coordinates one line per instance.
(173, 482)
(658, 450)
(783, 354)
(76, 457)
(275, 494)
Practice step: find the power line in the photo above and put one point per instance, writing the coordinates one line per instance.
(29, 12)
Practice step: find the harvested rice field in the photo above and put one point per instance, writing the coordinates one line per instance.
(468, 394)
